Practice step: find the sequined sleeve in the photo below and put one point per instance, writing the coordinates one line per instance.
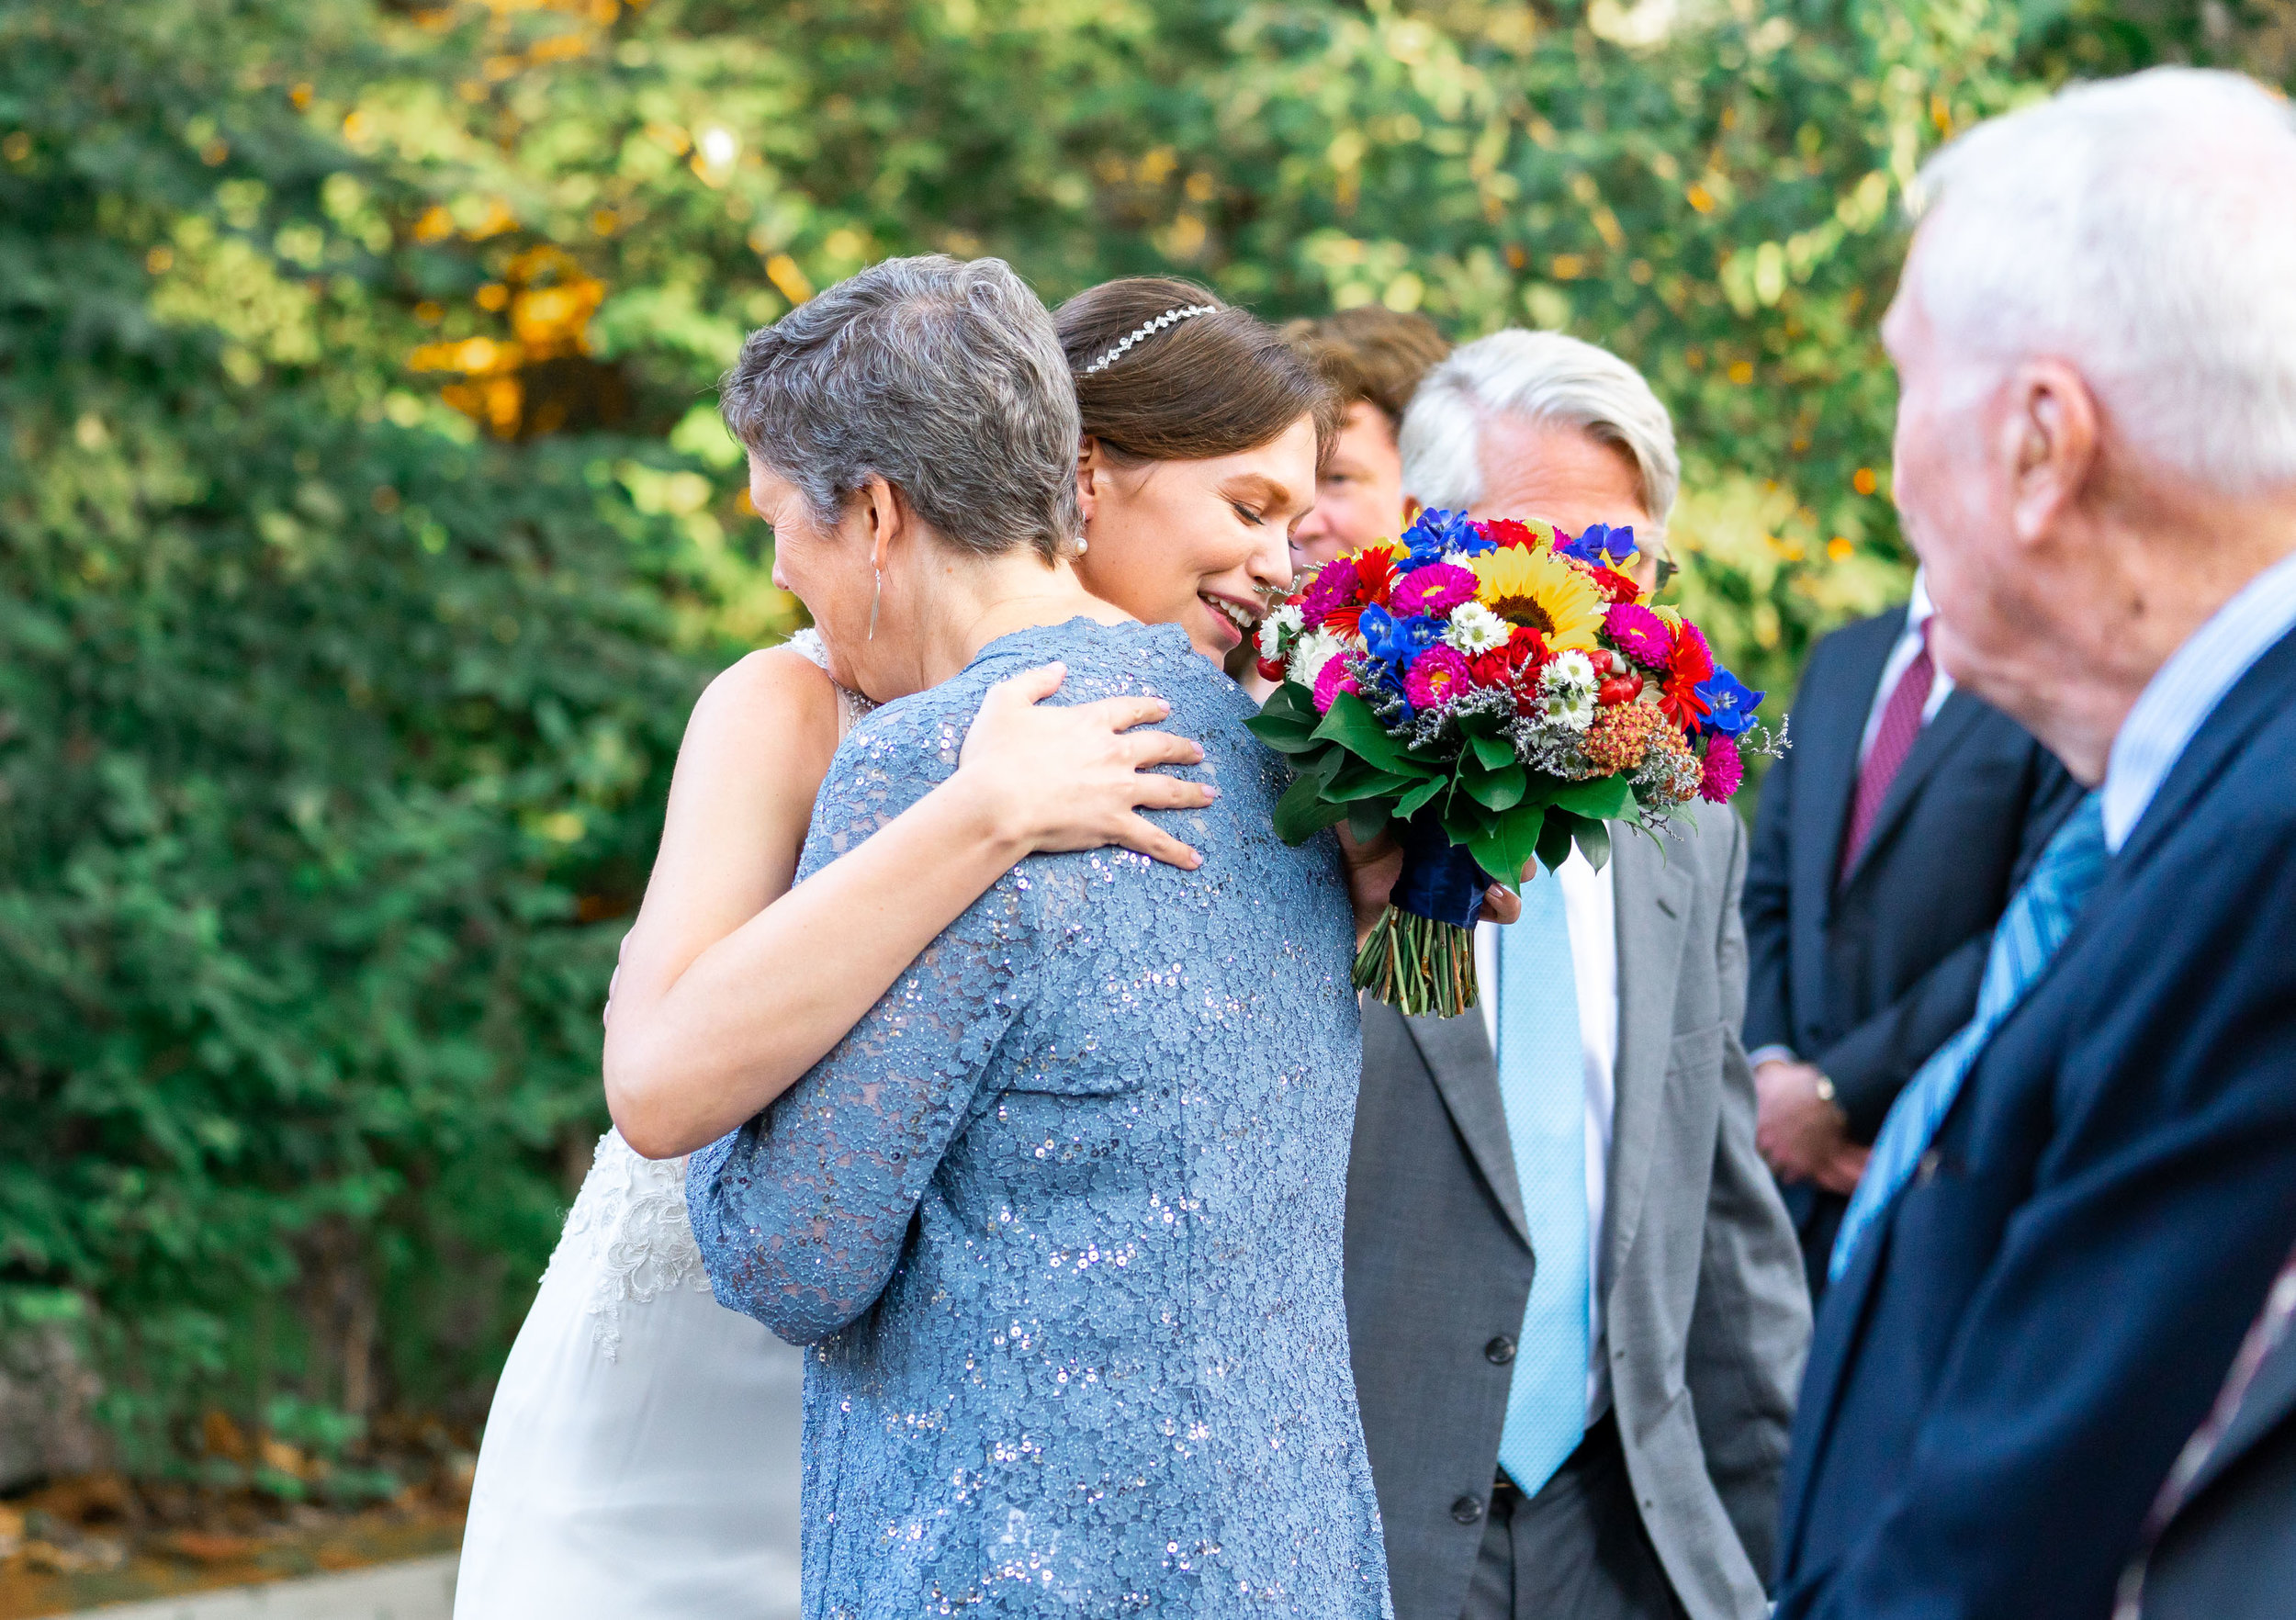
(800, 1213)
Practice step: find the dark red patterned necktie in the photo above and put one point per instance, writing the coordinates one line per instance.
(1900, 727)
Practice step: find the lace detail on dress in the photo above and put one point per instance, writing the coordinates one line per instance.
(1062, 1215)
(629, 1223)
(850, 704)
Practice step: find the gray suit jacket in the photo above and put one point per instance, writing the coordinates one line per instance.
(1707, 1316)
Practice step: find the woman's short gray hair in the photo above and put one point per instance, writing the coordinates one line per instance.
(940, 376)
(1548, 378)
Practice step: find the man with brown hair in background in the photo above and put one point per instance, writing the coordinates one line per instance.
(1374, 358)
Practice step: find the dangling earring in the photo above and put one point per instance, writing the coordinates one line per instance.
(876, 602)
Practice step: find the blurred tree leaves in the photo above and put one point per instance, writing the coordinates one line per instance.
(365, 528)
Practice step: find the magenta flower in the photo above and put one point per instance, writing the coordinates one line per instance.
(1724, 771)
(1433, 591)
(1335, 678)
(1333, 583)
(1640, 633)
(1438, 675)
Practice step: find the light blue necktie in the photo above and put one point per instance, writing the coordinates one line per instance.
(1542, 1083)
(2039, 916)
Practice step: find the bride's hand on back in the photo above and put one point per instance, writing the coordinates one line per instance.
(1077, 777)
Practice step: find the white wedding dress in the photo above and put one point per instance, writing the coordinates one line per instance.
(640, 1457)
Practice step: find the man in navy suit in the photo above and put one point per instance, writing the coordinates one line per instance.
(1890, 836)
(2075, 1208)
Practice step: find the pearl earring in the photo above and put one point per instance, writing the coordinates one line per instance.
(1083, 546)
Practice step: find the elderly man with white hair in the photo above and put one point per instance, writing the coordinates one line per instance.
(2075, 1208)
(1574, 1301)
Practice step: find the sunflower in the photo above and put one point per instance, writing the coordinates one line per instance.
(1535, 587)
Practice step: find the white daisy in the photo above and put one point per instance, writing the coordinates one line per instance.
(1274, 627)
(1567, 691)
(1311, 653)
(1571, 671)
(1474, 628)
(1569, 707)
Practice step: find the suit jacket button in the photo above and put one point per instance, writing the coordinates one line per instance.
(1468, 1509)
(1927, 1168)
(1500, 1351)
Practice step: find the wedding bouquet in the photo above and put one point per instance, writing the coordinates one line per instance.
(1497, 692)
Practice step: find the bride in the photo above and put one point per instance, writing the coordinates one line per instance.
(618, 1474)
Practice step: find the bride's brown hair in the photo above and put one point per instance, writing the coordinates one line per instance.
(1211, 385)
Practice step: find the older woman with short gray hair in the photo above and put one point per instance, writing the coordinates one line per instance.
(1061, 1216)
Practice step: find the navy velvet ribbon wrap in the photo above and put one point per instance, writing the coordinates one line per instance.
(1440, 880)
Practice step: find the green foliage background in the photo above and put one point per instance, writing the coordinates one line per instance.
(365, 532)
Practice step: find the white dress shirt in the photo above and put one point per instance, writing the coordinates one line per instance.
(1590, 908)
(2184, 692)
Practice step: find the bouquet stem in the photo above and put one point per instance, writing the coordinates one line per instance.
(1418, 964)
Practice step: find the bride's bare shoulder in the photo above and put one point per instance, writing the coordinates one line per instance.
(775, 708)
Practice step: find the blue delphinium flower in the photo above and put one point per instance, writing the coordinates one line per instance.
(1730, 706)
(1601, 545)
(1398, 641)
(1434, 534)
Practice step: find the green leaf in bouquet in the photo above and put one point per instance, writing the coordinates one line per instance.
(1497, 790)
(1304, 811)
(1594, 840)
(1283, 733)
(1494, 753)
(1291, 701)
(1606, 799)
(1367, 821)
(1506, 845)
(1365, 784)
(1554, 841)
(1352, 725)
(1412, 802)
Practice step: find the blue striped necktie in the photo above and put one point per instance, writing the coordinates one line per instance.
(1542, 1084)
(2039, 916)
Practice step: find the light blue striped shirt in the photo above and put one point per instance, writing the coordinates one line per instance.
(2184, 692)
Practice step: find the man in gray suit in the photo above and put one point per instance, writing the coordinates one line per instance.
(1576, 1365)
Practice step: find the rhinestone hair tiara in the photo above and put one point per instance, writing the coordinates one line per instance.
(1149, 329)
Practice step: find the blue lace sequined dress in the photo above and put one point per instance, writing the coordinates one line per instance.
(1062, 1215)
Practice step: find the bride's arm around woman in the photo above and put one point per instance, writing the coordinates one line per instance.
(620, 1473)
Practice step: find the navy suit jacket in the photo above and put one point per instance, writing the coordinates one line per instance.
(2024, 1341)
(1867, 980)
(1867, 977)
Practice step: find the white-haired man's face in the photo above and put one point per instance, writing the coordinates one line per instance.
(1566, 477)
(1993, 477)
(1944, 492)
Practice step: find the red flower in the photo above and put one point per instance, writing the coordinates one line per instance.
(1526, 645)
(1490, 669)
(1619, 689)
(1681, 703)
(1693, 661)
(1517, 665)
(1507, 532)
(1616, 585)
(1375, 578)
